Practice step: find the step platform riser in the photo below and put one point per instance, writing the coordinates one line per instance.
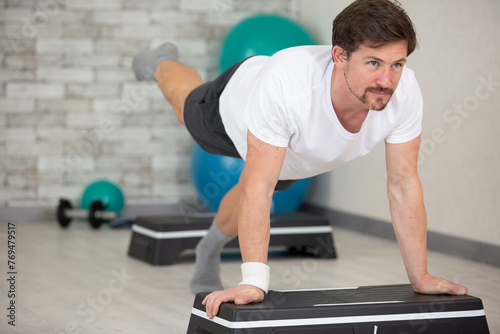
(160, 240)
(360, 310)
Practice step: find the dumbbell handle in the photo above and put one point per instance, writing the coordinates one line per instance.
(84, 214)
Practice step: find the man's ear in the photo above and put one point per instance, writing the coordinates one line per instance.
(339, 56)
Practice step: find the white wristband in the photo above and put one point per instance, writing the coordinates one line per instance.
(256, 274)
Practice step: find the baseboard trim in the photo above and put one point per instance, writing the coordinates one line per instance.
(461, 247)
(33, 214)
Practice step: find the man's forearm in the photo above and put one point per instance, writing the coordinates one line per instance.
(254, 234)
(254, 225)
(410, 226)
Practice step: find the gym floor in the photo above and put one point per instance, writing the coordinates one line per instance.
(79, 280)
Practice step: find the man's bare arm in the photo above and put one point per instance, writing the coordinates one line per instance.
(409, 218)
(262, 169)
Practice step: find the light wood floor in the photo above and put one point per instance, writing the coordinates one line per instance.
(82, 281)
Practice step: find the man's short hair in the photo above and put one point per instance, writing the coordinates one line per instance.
(374, 23)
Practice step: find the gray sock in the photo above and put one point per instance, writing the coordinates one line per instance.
(206, 276)
(144, 63)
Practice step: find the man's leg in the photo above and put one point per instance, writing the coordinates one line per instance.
(177, 81)
(224, 228)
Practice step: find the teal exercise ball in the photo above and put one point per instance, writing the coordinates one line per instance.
(214, 175)
(108, 193)
(263, 34)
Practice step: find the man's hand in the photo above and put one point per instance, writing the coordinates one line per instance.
(242, 294)
(431, 285)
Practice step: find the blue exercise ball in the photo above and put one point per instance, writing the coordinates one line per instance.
(214, 175)
(263, 34)
(108, 193)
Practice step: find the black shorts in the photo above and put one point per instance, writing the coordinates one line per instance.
(203, 121)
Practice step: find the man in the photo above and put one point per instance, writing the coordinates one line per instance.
(302, 112)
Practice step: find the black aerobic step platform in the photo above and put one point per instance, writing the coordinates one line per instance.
(160, 239)
(390, 309)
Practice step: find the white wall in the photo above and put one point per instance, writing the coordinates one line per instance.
(460, 155)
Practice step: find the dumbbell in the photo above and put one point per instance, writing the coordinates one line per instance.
(95, 214)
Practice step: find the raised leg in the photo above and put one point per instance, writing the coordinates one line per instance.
(176, 81)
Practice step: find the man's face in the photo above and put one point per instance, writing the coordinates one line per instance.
(372, 74)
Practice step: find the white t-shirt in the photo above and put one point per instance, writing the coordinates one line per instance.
(284, 100)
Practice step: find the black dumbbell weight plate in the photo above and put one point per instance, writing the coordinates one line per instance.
(62, 218)
(95, 219)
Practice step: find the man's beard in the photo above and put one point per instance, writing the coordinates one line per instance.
(379, 102)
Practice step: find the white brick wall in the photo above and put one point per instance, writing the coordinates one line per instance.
(83, 121)
(114, 76)
(57, 133)
(11, 106)
(131, 163)
(52, 191)
(151, 5)
(137, 92)
(64, 46)
(93, 90)
(197, 5)
(94, 4)
(32, 62)
(70, 109)
(168, 162)
(36, 120)
(128, 47)
(122, 17)
(93, 61)
(169, 19)
(15, 16)
(64, 75)
(136, 134)
(33, 149)
(47, 164)
(18, 135)
(66, 106)
(33, 90)
(164, 31)
(71, 17)
(18, 163)
(7, 75)
(121, 106)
